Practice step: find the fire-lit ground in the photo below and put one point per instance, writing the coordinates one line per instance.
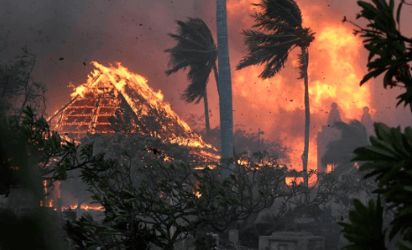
(55, 197)
(84, 207)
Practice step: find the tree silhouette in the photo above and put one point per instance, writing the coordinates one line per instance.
(279, 32)
(195, 49)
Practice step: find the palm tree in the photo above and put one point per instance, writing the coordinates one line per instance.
(224, 85)
(279, 32)
(195, 49)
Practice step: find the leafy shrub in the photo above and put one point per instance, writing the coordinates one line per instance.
(204, 242)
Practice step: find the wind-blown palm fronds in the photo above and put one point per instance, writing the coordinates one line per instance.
(197, 50)
(278, 31)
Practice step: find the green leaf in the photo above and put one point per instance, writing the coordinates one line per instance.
(405, 245)
(382, 131)
(387, 79)
(391, 5)
(371, 74)
(366, 6)
(384, 148)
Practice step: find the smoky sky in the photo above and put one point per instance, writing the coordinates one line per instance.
(134, 32)
(131, 32)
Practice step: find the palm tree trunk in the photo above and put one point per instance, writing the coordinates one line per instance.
(225, 87)
(305, 56)
(206, 114)
(216, 78)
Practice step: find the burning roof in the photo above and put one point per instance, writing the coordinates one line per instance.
(113, 95)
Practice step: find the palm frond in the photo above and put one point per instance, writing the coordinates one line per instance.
(196, 31)
(256, 37)
(268, 24)
(197, 50)
(277, 63)
(301, 66)
(178, 65)
(274, 58)
(198, 77)
(279, 31)
(286, 11)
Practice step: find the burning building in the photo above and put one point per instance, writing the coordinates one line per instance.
(116, 92)
(116, 100)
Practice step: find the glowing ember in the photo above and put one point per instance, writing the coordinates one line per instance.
(290, 180)
(87, 207)
(330, 168)
(198, 194)
(84, 207)
(45, 186)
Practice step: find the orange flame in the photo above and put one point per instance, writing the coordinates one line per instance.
(198, 194)
(122, 79)
(276, 105)
(330, 168)
(290, 180)
(90, 207)
(84, 207)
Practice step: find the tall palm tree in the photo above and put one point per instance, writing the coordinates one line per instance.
(224, 84)
(279, 31)
(195, 49)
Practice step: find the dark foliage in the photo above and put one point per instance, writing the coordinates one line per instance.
(279, 31)
(204, 242)
(365, 230)
(165, 198)
(31, 153)
(85, 233)
(39, 229)
(389, 160)
(243, 141)
(389, 50)
(17, 87)
(197, 50)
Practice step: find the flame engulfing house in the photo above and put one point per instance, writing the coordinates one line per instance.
(116, 100)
